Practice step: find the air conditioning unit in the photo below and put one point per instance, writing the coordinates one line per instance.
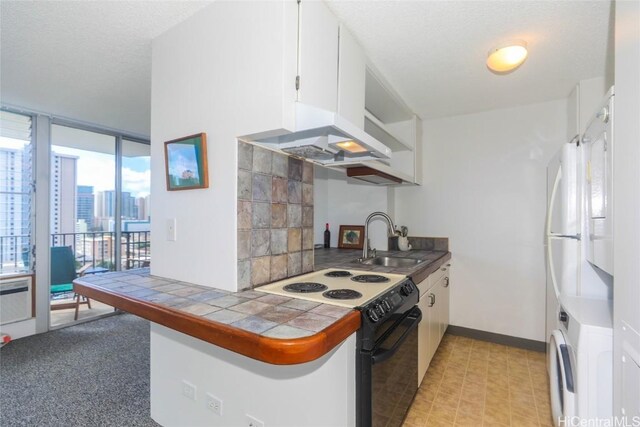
(15, 300)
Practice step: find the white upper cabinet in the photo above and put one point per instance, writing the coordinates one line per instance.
(351, 78)
(389, 120)
(317, 55)
(330, 91)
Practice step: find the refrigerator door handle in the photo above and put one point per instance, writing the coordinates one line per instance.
(551, 270)
(566, 236)
(552, 201)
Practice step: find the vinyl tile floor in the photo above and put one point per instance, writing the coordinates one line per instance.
(476, 383)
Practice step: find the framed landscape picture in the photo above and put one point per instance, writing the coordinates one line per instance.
(351, 237)
(186, 162)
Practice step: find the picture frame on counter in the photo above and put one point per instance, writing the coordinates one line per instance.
(351, 237)
(186, 162)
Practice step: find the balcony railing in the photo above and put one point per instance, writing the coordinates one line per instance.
(91, 249)
(98, 249)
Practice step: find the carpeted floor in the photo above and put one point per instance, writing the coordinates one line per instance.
(93, 374)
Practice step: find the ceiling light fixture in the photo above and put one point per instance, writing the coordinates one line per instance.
(507, 57)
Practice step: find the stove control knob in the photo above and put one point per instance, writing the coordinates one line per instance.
(563, 316)
(379, 309)
(386, 305)
(372, 315)
(407, 289)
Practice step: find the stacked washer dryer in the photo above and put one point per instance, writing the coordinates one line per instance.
(579, 252)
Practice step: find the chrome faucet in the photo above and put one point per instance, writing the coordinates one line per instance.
(391, 231)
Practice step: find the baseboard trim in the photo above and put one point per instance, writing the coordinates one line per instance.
(524, 343)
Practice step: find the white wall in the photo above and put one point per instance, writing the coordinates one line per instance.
(219, 72)
(317, 393)
(485, 188)
(320, 203)
(340, 200)
(626, 210)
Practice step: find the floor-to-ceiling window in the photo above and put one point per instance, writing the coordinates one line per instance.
(16, 191)
(99, 208)
(93, 200)
(136, 199)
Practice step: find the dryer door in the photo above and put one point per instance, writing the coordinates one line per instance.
(561, 379)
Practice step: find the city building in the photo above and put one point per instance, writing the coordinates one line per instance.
(15, 203)
(63, 194)
(86, 201)
(142, 203)
(105, 205)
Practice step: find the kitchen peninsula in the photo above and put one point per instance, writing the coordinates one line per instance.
(252, 333)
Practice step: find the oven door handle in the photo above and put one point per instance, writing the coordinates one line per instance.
(410, 322)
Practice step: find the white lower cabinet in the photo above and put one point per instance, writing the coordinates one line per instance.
(434, 304)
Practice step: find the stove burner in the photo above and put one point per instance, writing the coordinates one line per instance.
(305, 287)
(342, 294)
(338, 273)
(370, 278)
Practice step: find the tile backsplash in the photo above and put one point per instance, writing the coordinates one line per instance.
(275, 216)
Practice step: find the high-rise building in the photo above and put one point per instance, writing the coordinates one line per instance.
(106, 205)
(63, 193)
(15, 202)
(85, 205)
(129, 208)
(142, 204)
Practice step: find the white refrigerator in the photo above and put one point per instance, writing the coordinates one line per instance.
(573, 183)
(562, 229)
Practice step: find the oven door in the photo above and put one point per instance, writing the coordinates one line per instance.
(393, 364)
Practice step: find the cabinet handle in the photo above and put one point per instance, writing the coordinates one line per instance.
(448, 265)
(432, 300)
(443, 269)
(446, 282)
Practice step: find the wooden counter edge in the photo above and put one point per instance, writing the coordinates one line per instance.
(270, 350)
(422, 274)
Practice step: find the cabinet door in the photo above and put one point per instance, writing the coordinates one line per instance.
(434, 320)
(444, 304)
(423, 338)
(351, 79)
(317, 55)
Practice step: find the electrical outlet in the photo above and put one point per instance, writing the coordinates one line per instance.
(253, 422)
(188, 390)
(214, 404)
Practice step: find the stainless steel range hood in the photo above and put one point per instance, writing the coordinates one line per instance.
(323, 137)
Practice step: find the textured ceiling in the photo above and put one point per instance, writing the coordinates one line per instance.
(87, 60)
(91, 60)
(434, 52)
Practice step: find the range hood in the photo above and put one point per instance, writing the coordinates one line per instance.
(323, 137)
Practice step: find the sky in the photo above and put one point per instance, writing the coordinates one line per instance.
(98, 169)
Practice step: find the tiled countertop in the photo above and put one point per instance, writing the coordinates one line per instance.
(271, 328)
(258, 312)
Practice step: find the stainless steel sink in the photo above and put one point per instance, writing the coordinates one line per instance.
(389, 261)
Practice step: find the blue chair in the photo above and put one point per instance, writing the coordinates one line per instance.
(63, 273)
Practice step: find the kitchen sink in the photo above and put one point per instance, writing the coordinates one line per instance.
(391, 261)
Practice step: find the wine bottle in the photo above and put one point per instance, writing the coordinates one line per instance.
(327, 237)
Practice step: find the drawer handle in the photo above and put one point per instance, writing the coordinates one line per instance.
(446, 282)
(448, 265)
(432, 300)
(443, 269)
